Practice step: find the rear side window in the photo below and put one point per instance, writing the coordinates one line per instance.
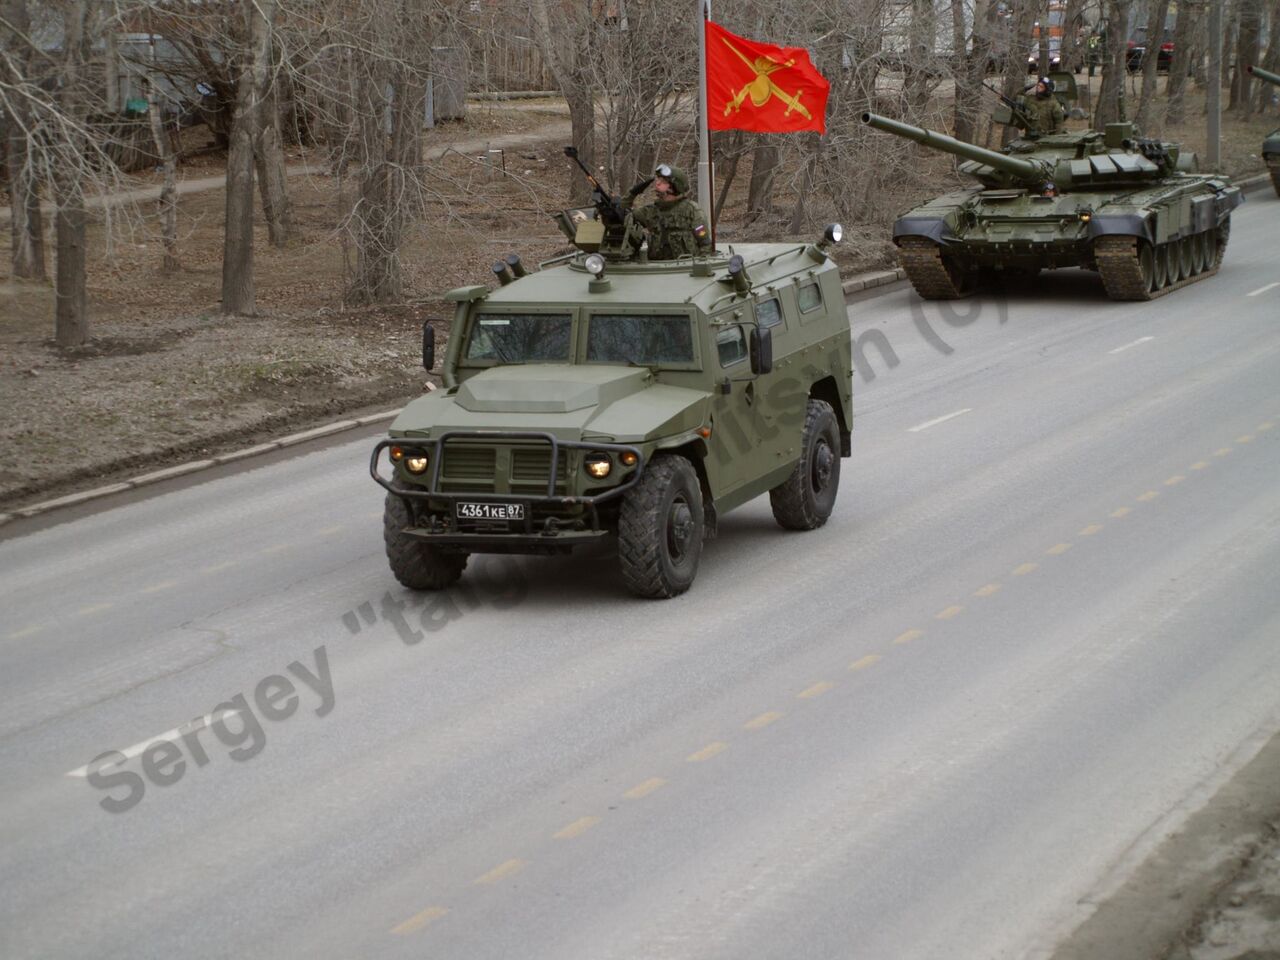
(639, 338)
(768, 313)
(520, 337)
(810, 296)
(731, 344)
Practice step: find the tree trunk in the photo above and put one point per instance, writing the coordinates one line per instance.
(1151, 61)
(1247, 52)
(1180, 66)
(1015, 68)
(800, 212)
(269, 161)
(25, 223)
(1110, 106)
(169, 188)
(237, 252)
(582, 118)
(764, 165)
(972, 67)
(71, 318)
(921, 41)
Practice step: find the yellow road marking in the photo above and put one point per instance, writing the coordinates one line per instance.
(1026, 568)
(1264, 427)
(419, 920)
(905, 637)
(217, 567)
(948, 613)
(26, 631)
(1122, 512)
(157, 587)
(1222, 452)
(762, 721)
(1058, 549)
(1149, 495)
(501, 871)
(327, 531)
(1200, 465)
(987, 591)
(576, 829)
(266, 551)
(707, 752)
(867, 660)
(95, 608)
(1247, 438)
(1090, 530)
(644, 789)
(1174, 480)
(817, 690)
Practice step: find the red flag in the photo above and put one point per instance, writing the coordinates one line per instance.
(760, 87)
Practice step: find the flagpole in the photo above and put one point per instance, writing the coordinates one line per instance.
(704, 130)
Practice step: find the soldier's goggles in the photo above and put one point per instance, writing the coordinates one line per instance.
(663, 170)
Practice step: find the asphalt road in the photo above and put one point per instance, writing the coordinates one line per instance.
(1039, 630)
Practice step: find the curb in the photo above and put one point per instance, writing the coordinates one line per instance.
(867, 281)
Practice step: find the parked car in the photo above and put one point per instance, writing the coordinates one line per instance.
(1138, 50)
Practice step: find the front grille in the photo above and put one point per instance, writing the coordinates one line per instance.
(468, 463)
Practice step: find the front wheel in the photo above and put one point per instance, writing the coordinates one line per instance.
(660, 529)
(416, 564)
(805, 499)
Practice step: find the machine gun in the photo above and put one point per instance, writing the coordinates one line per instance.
(612, 231)
(1018, 116)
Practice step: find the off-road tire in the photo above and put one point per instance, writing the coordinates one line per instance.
(416, 564)
(660, 529)
(805, 499)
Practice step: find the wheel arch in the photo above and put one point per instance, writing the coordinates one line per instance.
(827, 389)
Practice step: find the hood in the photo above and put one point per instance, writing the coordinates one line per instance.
(549, 388)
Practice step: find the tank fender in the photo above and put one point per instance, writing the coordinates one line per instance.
(1122, 224)
(934, 228)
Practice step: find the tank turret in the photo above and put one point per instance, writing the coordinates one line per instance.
(1008, 169)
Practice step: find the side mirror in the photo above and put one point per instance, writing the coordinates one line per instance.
(761, 350)
(428, 346)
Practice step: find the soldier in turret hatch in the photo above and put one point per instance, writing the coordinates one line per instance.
(1042, 113)
(677, 226)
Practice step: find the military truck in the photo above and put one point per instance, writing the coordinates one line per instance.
(1133, 209)
(607, 395)
(1271, 145)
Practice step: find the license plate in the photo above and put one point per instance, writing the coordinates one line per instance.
(490, 511)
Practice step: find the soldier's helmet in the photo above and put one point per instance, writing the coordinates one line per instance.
(678, 179)
(1048, 87)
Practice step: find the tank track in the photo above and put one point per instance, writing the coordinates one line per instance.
(921, 260)
(1121, 269)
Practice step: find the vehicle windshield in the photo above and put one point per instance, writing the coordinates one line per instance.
(644, 339)
(520, 338)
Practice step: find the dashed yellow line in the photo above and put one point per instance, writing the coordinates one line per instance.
(707, 752)
(575, 829)
(1148, 496)
(1264, 427)
(95, 608)
(1122, 512)
(278, 548)
(26, 631)
(501, 872)
(219, 567)
(1222, 452)
(419, 920)
(1058, 549)
(1200, 465)
(905, 637)
(1024, 569)
(644, 789)
(867, 661)
(817, 690)
(329, 531)
(949, 612)
(991, 589)
(1090, 530)
(1247, 438)
(762, 721)
(1174, 480)
(157, 587)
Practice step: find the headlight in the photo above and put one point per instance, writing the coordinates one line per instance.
(597, 465)
(416, 463)
(594, 264)
(628, 458)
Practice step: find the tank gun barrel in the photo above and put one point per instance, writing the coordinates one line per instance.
(1015, 167)
(1265, 75)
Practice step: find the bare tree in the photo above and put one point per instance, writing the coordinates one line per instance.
(1151, 60)
(71, 319)
(566, 43)
(168, 202)
(1114, 68)
(1188, 15)
(26, 224)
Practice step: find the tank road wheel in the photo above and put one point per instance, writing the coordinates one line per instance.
(934, 276)
(416, 564)
(1219, 248)
(1161, 277)
(1127, 266)
(1199, 251)
(1186, 259)
(805, 499)
(660, 529)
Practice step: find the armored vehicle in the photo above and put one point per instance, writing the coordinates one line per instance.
(1271, 145)
(608, 395)
(1130, 208)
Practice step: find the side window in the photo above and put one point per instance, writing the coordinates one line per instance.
(768, 313)
(810, 296)
(731, 345)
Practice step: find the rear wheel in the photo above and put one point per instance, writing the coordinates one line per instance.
(417, 564)
(805, 499)
(660, 527)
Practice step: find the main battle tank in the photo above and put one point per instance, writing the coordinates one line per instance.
(1130, 208)
(1271, 145)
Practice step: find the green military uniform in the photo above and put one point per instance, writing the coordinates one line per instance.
(1042, 114)
(677, 227)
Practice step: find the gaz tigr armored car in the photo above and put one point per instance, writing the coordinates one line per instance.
(1132, 209)
(1271, 145)
(607, 395)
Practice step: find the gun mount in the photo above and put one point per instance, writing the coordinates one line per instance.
(608, 228)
